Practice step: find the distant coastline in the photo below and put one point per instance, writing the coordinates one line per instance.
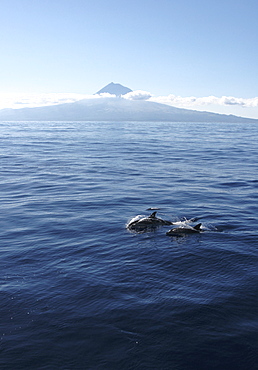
(110, 105)
(115, 109)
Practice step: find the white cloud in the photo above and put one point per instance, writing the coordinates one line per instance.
(137, 95)
(104, 95)
(224, 104)
(16, 101)
(230, 100)
(205, 101)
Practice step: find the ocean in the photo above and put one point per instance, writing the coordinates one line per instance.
(80, 291)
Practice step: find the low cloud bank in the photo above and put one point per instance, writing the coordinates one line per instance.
(16, 101)
(191, 101)
(205, 101)
(138, 95)
(35, 100)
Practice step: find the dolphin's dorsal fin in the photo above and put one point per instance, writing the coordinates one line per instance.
(197, 227)
(153, 215)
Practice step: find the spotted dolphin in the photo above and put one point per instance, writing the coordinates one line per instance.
(179, 231)
(145, 223)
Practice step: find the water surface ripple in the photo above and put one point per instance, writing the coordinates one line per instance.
(79, 291)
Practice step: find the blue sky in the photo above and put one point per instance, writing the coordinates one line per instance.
(181, 48)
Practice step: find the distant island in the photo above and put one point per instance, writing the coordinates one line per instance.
(116, 109)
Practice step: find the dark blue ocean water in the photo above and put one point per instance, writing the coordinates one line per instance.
(79, 291)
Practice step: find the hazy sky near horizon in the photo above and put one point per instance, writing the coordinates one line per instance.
(186, 48)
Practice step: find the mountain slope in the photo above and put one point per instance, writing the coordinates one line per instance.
(114, 109)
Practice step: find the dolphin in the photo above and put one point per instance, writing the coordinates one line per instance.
(179, 231)
(144, 223)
